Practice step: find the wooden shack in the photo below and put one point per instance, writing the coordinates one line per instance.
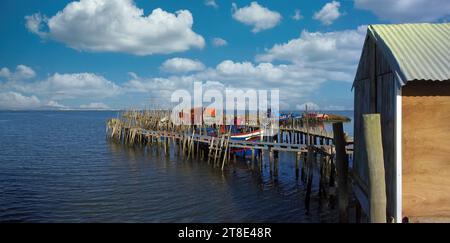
(404, 75)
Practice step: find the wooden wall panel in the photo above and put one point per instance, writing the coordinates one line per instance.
(386, 107)
(426, 149)
(362, 106)
(362, 72)
(376, 94)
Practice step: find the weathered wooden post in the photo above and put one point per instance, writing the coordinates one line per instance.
(375, 162)
(342, 171)
(303, 170)
(198, 141)
(331, 183)
(297, 159)
(167, 146)
(309, 180)
(210, 151)
(261, 159)
(271, 160)
(275, 163)
(226, 152)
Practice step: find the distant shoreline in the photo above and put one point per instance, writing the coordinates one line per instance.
(284, 111)
(61, 110)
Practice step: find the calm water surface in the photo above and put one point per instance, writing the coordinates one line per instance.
(58, 167)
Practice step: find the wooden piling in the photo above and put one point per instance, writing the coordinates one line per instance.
(332, 183)
(303, 170)
(261, 160)
(210, 151)
(297, 159)
(225, 156)
(309, 180)
(271, 159)
(190, 142)
(375, 163)
(275, 163)
(342, 171)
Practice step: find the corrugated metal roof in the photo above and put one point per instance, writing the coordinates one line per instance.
(416, 51)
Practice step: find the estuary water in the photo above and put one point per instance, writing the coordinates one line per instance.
(58, 166)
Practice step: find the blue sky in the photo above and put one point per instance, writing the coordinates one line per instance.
(93, 54)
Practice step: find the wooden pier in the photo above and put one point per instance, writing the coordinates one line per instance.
(314, 149)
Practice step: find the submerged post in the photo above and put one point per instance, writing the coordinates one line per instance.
(375, 162)
(342, 171)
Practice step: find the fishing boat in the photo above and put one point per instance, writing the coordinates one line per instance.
(238, 133)
(245, 136)
(285, 116)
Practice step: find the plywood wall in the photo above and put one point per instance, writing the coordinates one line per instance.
(426, 149)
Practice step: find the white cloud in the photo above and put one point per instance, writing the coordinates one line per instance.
(157, 90)
(267, 75)
(329, 13)
(14, 100)
(133, 75)
(20, 93)
(399, 11)
(321, 57)
(257, 16)
(67, 86)
(211, 3)
(55, 105)
(95, 106)
(297, 80)
(336, 53)
(181, 65)
(292, 80)
(22, 72)
(76, 85)
(219, 42)
(336, 108)
(35, 23)
(118, 26)
(158, 85)
(310, 105)
(248, 71)
(17, 101)
(297, 15)
(303, 65)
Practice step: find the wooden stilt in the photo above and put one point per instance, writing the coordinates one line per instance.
(297, 159)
